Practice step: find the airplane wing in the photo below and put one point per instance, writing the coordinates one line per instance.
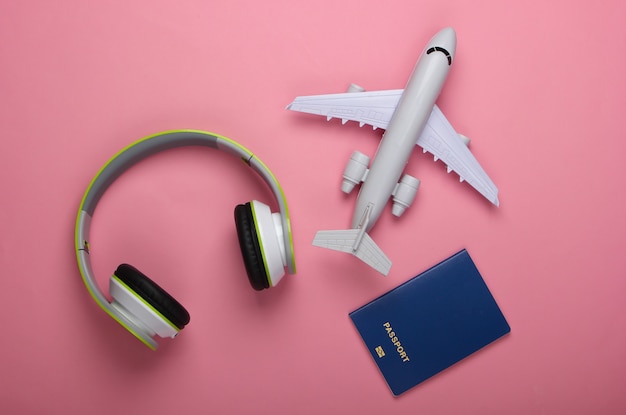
(344, 240)
(440, 139)
(373, 108)
(376, 108)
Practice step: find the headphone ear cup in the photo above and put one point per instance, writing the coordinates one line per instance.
(147, 301)
(250, 247)
(261, 240)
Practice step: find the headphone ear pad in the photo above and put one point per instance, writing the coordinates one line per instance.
(153, 294)
(250, 247)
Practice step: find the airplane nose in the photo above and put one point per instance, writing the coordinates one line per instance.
(446, 39)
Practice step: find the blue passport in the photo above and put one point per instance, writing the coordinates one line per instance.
(430, 322)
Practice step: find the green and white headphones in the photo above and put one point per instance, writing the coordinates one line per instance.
(138, 303)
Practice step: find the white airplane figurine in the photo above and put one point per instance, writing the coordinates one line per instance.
(409, 117)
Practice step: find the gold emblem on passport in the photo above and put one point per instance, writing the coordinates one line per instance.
(380, 351)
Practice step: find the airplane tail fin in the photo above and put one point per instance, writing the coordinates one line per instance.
(356, 242)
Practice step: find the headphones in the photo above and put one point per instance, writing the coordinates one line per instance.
(141, 305)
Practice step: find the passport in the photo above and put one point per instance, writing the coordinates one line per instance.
(430, 322)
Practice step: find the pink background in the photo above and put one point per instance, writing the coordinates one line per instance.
(539, 86)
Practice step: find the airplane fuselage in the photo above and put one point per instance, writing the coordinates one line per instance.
(406, 125)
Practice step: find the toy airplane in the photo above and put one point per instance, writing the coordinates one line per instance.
(409, 117)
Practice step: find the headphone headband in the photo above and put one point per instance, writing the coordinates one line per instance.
(136, 152)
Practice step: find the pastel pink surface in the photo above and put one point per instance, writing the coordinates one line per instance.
(538, 86)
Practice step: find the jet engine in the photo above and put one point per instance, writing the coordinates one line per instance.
(355, 171)
(404, 194)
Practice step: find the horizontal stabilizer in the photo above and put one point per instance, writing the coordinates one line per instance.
(357, 243)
